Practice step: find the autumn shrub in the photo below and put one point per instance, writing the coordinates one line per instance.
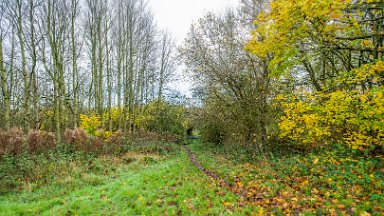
(116, 138)
(68, 136)
(3, 142)
(163, 117)
(16, 140)
(96, 145)
(12, 141)
(49, 141)
(35, 141)
(78, 138)
(113, 143)
(103, 142)
(213, 132)
(350, 115)
(90, 124)
(157, 116)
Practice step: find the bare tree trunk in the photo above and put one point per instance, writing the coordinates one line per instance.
(56, 31)
(119, 63)
(165, 55)
(130, 75)
(109, 75)
(4, 87)
(100, 97)
(24, 72)
(75, 75)
(95, 28)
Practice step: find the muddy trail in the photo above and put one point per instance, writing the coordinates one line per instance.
(223, 183)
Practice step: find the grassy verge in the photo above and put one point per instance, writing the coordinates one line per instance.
(157, 178)
(142, 182)
(331, 182)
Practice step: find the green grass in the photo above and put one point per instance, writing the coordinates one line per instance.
(329, 182)
(155, 186)
(159, 179)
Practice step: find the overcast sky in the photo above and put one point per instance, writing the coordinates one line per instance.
(177, 16)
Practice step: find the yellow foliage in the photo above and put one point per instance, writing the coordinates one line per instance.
(107, 134)
(352, 117)
(90, 124)
(288, 24)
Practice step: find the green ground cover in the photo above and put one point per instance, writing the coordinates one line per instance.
(144, 184)
(159, 179)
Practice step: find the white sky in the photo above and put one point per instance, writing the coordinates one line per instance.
(177, 16)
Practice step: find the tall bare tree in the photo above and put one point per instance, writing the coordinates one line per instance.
(44, 77)
(18, 10)
(6, 91)
(75, 10)
(166, 48)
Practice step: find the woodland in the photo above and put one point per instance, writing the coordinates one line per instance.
(286, 115)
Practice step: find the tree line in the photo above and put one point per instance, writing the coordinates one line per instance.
(62, 58)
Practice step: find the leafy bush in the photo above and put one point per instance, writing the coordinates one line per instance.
(115, 138)
(90, 124)
(158, 116)
(164, 117)
(39, 141)
(213, 132)
(15, 142)
(104, 142)
(12, 141)
(354, 117)
(77, 138)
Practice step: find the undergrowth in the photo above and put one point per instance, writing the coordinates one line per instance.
(144, 181)
(27, 171)
(335, 181)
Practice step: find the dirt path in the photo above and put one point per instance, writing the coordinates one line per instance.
(222, 182)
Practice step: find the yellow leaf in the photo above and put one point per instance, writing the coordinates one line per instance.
(316, 161)
(315, 191)
(261, 211)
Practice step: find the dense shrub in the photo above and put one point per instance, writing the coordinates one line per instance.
(115, 138)
(34, 141)
(164, 117)
(12, 141)
(100, 144)
(351, 116)
(3, 142)
(113, 144)
(29, 171)
(213, 132)
(233, 123)
(78, 138)
(15, 142)
(90, 124)
(39, 141)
